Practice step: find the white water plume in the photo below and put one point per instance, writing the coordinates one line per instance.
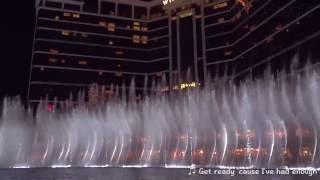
(271, 122)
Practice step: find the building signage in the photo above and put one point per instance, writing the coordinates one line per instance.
(177, 3)
(166, 2)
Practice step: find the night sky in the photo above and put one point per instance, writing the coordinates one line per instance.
(17, 24)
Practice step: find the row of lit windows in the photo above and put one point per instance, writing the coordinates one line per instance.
(140, 39)
(80, 62)
(137, 39)
(173, 18)
(186, 14)
(54, 61)
(136, 25)
(54, 51)
(118, 74)
(268, 39)
(74, 15)
(74, 34)
(220, 5)
(68, 14)
(112, 26)
(217, 6)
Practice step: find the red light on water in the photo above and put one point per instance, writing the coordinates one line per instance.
(50, 107)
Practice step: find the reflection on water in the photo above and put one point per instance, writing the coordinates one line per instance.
(128, 174)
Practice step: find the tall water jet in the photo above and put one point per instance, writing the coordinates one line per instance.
(270, 122)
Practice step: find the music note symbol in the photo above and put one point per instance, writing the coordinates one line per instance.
(192, 171)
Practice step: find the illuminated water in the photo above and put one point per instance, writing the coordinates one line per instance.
(271, 122)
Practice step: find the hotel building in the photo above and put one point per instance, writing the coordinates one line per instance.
(78, 43)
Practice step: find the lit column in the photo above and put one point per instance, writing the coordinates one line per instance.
(37, 4)
(170, 51)
(204, 45)
(195, 48)
(99, 6)
(116, 4)
(81, 6)
(132, 11)
(148, 12)
(178, 49)
(32, 56)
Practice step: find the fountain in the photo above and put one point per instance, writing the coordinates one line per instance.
(272, 123)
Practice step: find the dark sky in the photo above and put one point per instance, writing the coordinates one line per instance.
(17, 24)
(17, 29)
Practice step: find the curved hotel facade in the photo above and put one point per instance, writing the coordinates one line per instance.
(78, 43)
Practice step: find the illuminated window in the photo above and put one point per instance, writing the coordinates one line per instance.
(119, 66)
(136, 39)
(144, 29)
(66, 14)
(186, 14)
(111, 27)
(227, 53)
(84, 35)
(42, 69)
(52, 60)
(136, 23)
(252, 28)
(110, 42)
(100, 73)
(65, 33)
(83, 62)
(128, 27)
(144, 39)
(220, 20)
(103, 24)
(136, 26)
(53, 51)
(56, 17)
(63, 61)
(220, 5)
(119, 52)
(76, 15)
